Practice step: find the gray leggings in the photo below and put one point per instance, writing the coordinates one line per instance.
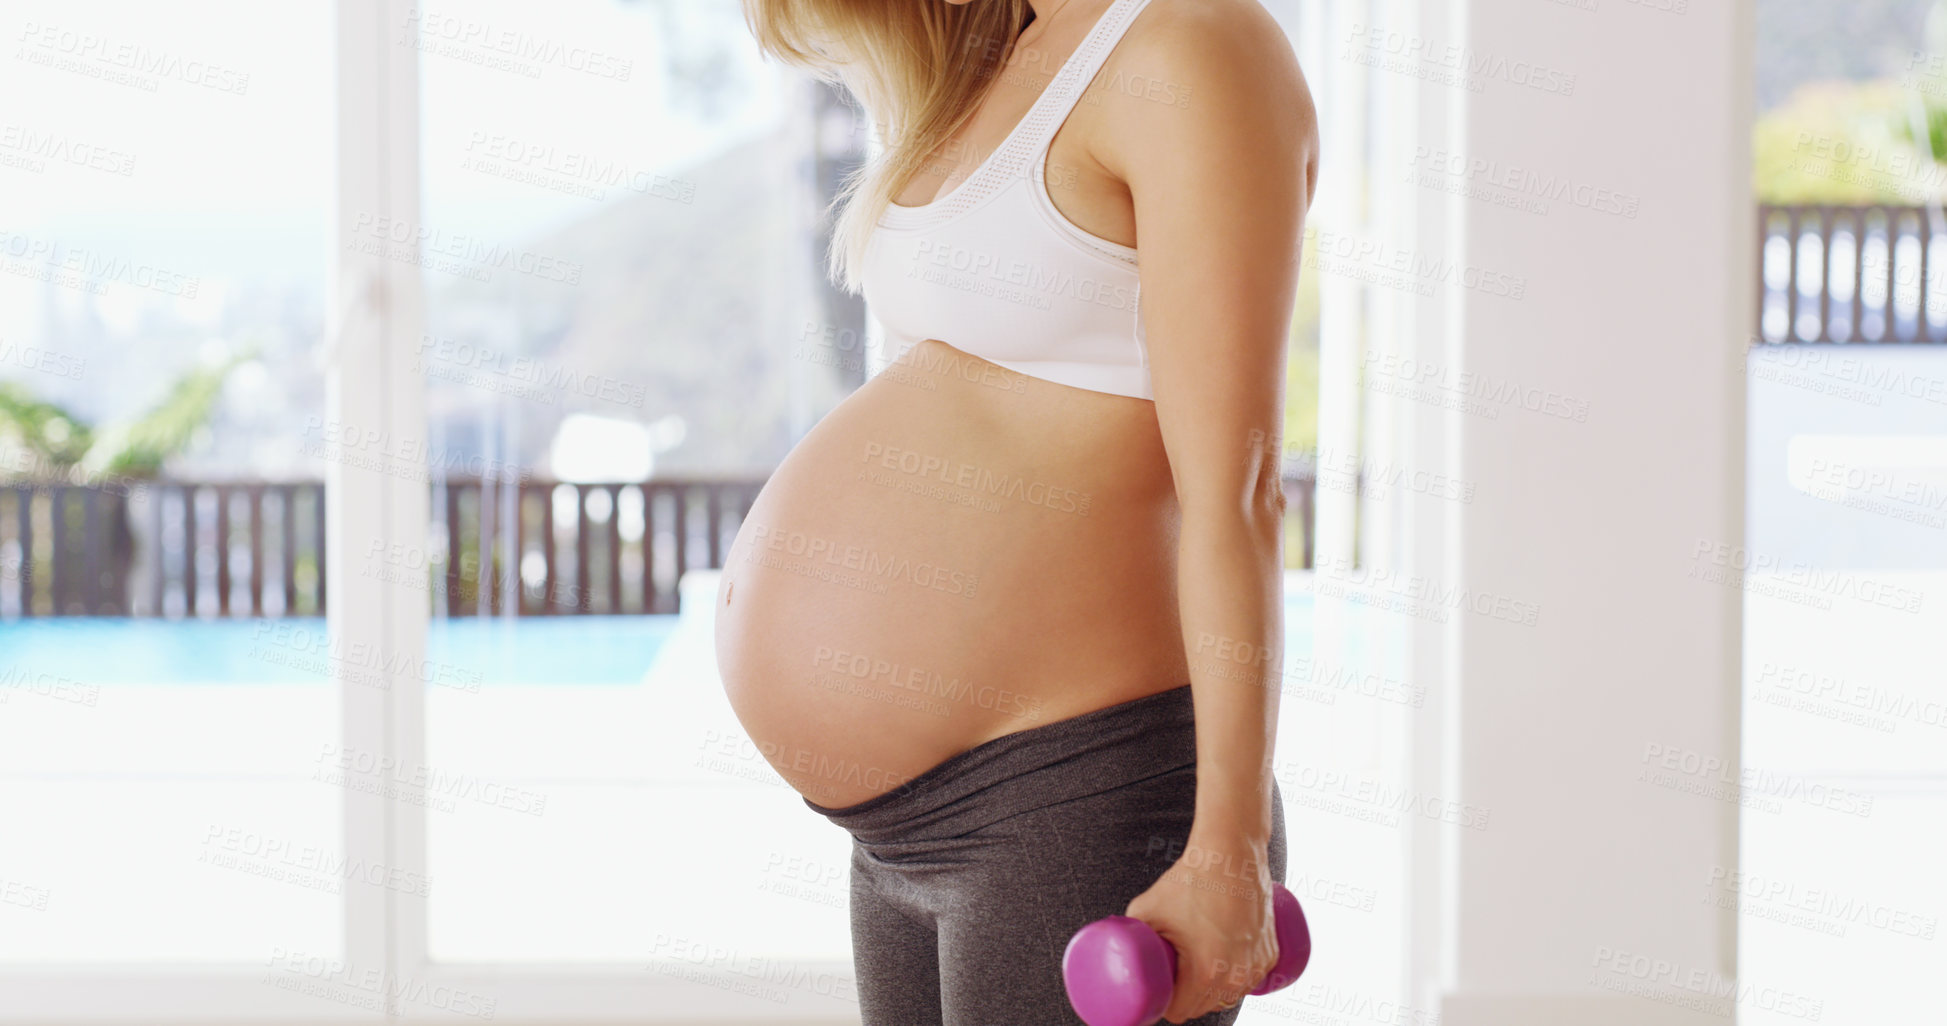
(968, 880)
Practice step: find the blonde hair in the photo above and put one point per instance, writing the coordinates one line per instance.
(918, 67)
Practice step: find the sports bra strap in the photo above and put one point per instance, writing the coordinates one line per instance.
(1035, 131)
(1051, 109)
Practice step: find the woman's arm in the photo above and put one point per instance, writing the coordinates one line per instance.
(1220, 188)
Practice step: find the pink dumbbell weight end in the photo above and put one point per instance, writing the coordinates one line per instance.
(1121, 973)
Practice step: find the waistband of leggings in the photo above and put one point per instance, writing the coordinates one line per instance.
(1097, 751)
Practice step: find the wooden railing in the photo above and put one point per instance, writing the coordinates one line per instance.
(581, 548)
(214, 548)
(235, 549)
(160, 548)
(1852, 274)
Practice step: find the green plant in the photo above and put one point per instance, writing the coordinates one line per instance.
(54, 436)
(63, 443)
(1846, 142)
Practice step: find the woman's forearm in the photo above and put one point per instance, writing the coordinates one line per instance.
(1231, 599)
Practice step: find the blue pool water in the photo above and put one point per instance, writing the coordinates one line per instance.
(533, 650)
(110, 650)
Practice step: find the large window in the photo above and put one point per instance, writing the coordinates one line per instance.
(380, 383)
(621, 216)
(1844, 783)
(166, 699)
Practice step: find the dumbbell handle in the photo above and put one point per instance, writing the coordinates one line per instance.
(1120, 972)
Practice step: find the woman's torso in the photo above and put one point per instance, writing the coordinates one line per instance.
(957, 551)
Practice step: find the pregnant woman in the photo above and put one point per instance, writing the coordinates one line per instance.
(1011, 614)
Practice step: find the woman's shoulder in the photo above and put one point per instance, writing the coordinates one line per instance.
(1204, 36)
(1225, 61)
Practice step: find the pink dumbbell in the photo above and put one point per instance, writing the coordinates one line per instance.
(1121, 973)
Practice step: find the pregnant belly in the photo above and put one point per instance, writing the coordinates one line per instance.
(941, 562)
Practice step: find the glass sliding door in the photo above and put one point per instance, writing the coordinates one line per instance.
(621, 269)
(169, 718)
(381, 386)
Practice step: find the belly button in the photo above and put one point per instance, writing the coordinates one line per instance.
(727, 590)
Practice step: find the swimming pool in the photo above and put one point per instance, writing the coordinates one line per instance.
(295, 651)
(614, 727)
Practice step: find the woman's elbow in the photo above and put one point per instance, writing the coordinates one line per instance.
(1255, 510)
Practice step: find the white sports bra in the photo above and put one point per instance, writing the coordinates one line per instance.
(993, 269)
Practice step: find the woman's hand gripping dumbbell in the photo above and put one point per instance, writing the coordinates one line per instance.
(1122, 973)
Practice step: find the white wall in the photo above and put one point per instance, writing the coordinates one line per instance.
(1597, 412)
